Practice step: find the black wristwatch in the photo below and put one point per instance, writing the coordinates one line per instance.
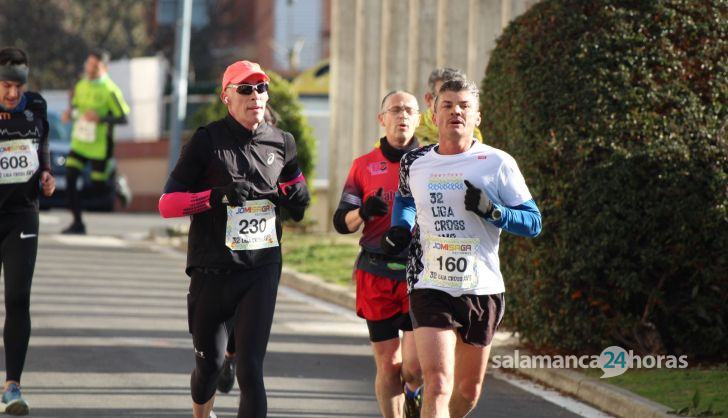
(495, 214)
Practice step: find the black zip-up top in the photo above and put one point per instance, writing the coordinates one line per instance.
(20, 128)
(218, 154)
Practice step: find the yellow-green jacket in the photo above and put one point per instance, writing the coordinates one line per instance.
(103, 96)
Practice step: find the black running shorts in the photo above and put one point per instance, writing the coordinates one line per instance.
(476, 317)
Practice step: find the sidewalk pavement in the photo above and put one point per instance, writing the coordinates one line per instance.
(609, 398)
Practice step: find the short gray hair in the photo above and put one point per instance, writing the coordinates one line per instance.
(392, 93)
(458, 85)
(444, 74)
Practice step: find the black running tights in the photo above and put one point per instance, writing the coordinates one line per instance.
(18, 249)
(249, 298)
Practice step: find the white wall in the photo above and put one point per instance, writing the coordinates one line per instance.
(316, 111)
(141, 80)
(297, 20)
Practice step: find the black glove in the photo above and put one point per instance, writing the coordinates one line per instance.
(296, 199)
(234, 194)
(477, 201)
(395, 240)
(374, 206)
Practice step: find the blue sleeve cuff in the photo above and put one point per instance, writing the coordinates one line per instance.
(523, 220)
(403, 211)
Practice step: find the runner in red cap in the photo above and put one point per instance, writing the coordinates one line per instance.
(232, 177)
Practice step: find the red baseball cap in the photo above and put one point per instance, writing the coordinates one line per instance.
(239, 71)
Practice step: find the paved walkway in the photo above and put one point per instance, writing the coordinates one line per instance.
(110, 340)
(596, 392)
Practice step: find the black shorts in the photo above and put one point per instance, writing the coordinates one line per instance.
(387, 329)
(476, 317)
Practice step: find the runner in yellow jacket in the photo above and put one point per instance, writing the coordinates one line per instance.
(96, 106)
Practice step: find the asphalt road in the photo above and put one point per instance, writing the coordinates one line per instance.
(110, 338)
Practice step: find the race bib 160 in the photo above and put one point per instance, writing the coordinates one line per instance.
(450, 262)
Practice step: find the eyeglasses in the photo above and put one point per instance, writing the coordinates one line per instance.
(247, 89)
(396, 110)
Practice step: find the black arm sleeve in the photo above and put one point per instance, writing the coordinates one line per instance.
(44, 151)
(290, 166)
(37, 105)
(113, 120)
(296, 197)
(340, 221)
(193, 161)
(174, 186)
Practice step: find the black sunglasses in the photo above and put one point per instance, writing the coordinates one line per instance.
(247, 89)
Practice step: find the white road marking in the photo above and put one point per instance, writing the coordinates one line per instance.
(186, 343)
(49, 219)
(550, 395)
(90, 240)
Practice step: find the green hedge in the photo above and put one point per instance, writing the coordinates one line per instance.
(617, 113)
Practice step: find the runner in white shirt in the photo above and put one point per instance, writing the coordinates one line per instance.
(454, 199)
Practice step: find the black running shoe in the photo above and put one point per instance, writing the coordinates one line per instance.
(227, 376)
(413, 404)
(76, 228)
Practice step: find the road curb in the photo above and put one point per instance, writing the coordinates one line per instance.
(620, 402)
(609, 398)
(314, 286)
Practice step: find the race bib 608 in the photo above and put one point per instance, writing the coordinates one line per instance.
(18, 161)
